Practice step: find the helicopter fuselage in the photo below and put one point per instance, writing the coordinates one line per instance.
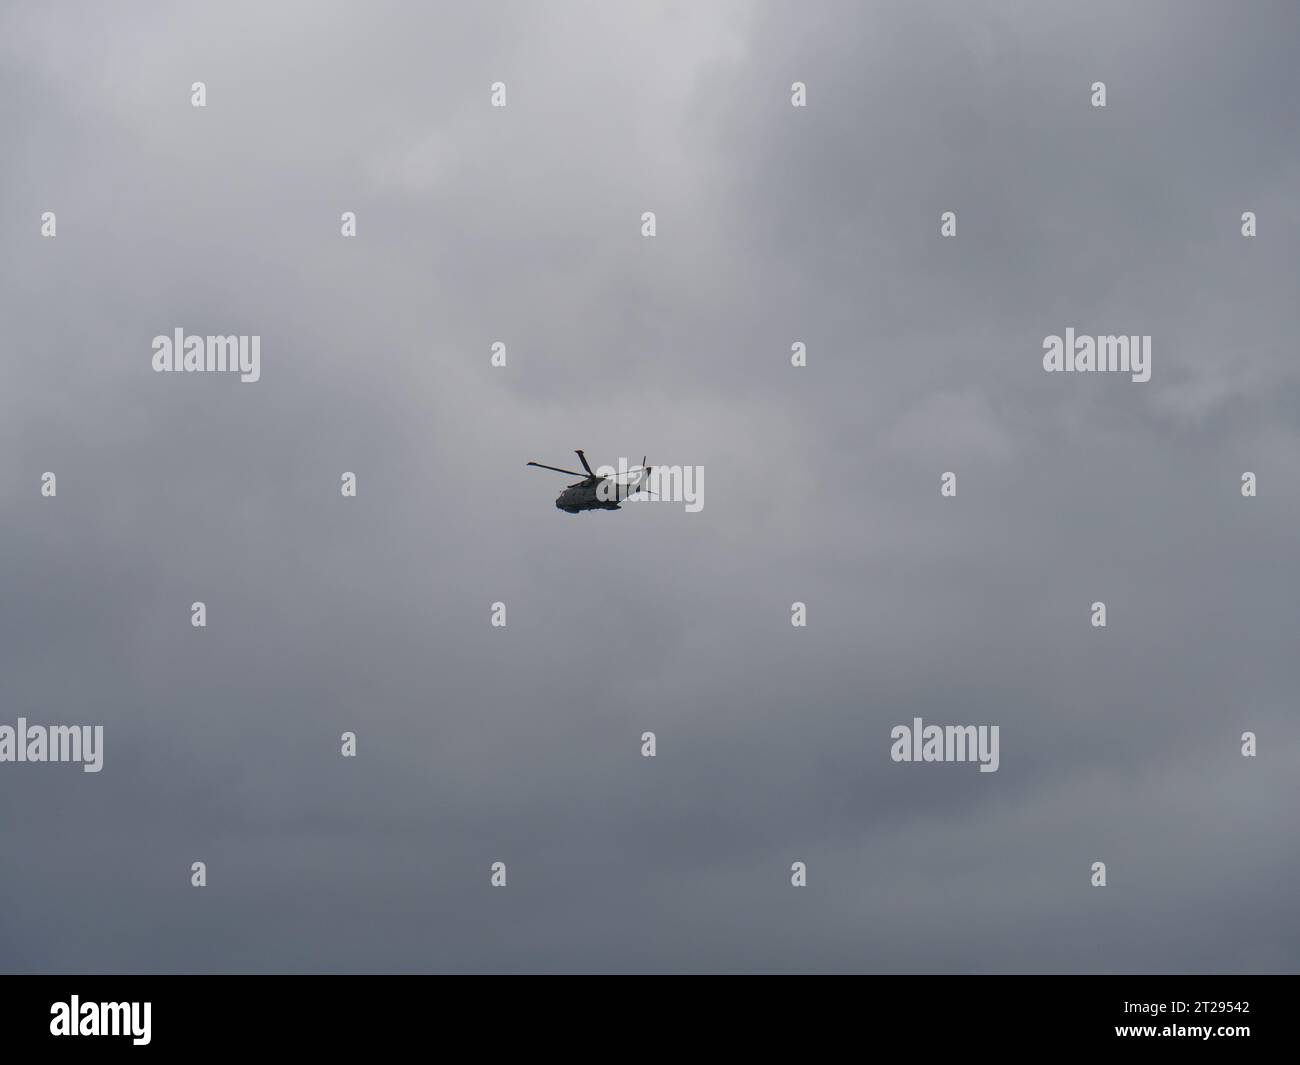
(584, 496)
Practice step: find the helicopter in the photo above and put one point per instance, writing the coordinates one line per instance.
(586, 494)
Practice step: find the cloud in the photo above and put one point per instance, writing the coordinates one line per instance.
(522, 744)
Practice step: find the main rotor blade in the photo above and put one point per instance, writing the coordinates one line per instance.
(543, 466)
(583, 459)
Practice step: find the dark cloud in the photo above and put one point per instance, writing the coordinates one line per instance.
(775, 225)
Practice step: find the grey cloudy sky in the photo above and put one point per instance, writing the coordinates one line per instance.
(775, 224)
